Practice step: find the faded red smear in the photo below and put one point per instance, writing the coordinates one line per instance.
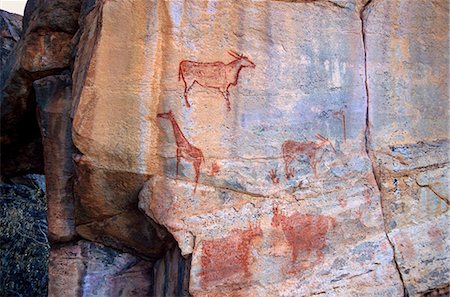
(437, 238)
(367, 197)
(305, 233)
(405, 246)
(342, 201)
(215, 168)
(229, 256)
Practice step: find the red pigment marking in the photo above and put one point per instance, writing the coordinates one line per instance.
(405, 246)
(185, 150)
(437, 238)
(215, 168)
(216, 75)
(367, 197)
(274, 176)
(305, 233)
(342, 201)
(229, 256)
(291, 150)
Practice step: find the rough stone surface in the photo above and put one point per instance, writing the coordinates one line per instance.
(44, 49)
(10, 30)
(24, 247)
(317, 168)
(53, 97)
(408, 94)
(171, 275)
(87, 269)
(107, 197)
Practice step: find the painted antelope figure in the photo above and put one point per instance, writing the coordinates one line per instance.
(184, 149)
(216, 75)
(293, 149)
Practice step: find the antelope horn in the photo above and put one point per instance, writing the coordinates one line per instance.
(234, 54)
(321, 137)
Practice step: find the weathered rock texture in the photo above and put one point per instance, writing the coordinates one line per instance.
(10, 30)
(407, 78)
(171, 275)
(53, 97)
(44, 49)
(291, 148)
(87, 269)
(107, 196)
(266, 169)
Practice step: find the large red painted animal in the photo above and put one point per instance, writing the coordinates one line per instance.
(216, 75)
(293, 149)
(185, 150)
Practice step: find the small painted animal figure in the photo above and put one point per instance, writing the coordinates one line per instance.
(184, 149)
(293, 149)
(216, 75)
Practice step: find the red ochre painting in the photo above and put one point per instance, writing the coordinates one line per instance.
(216, 75)
(228, 257)
(306, 235)
(185, 149)
(293, 149)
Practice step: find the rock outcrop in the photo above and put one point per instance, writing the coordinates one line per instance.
(407, 79)
(287, 148)
(90, 270)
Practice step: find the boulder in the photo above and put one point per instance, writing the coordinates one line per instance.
(44, 49)
(87, 269)
(10, 30)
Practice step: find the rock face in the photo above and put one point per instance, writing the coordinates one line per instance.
(88, 269)
(10, 30)
(53, 97)
(45, 49)
(289, 148)
(408, 112)
(255, 141)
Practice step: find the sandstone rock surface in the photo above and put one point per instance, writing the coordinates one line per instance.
(409, 143)
(53, 97)
(300, 150)
(88, 269)
(44, 49)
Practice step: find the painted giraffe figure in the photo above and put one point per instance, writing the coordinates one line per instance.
(184, 149)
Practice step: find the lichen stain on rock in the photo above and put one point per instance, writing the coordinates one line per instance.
(306, 235)
(228, 257)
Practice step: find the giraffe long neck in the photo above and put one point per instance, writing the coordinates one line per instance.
(179, 137)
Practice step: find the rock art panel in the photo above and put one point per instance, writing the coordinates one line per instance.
(216, 75)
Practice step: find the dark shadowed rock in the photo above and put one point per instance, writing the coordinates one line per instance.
(10, 31)
(44, 49)
(89, 269)
(53, 96)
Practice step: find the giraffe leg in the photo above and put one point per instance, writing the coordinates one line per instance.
(287, 172)
(226, 94)
(178, 161)
(197, 163)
